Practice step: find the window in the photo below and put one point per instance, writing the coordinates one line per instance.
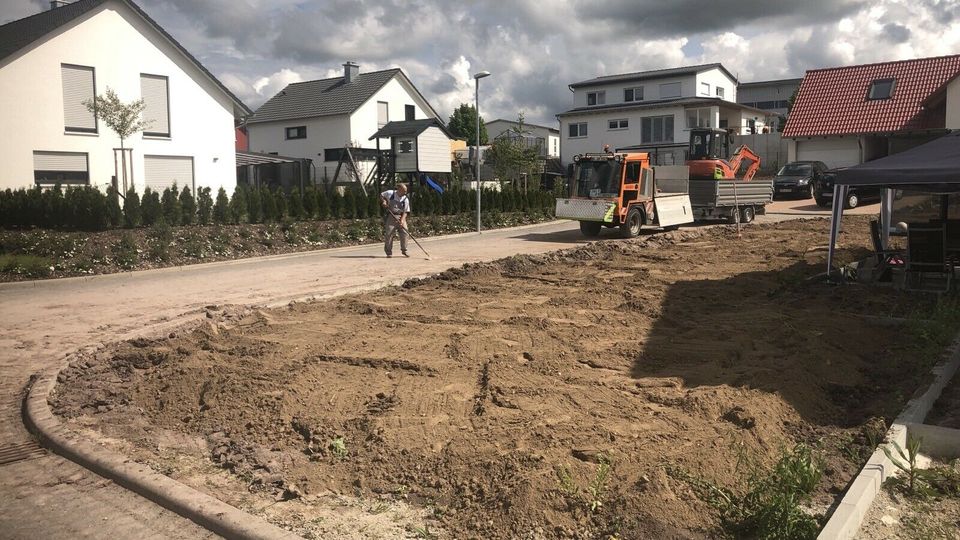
(383, 113)
(699, 118)
(632, 176)
(297, 132)
(60, 168)
(704, 89)
(719, 91)
(881, 89)
(633, 94)
(156, 100)
(405, 147)
(618, 124)
(596, 98)
(79, 86)
(578, 130)
(409, 112)
(669, 90)
(656, 129)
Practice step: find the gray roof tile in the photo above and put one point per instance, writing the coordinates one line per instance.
(325, 97)
(409, 127)
(652, 74)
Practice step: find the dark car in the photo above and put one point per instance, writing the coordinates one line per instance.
(823, 191)
(796, 179)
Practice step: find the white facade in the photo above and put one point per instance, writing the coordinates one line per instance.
(616, 118)
(338, 131)
(433, 151)
(120, 46)
(834, 151)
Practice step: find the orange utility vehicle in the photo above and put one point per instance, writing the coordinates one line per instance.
(622, 190)
(718, 189)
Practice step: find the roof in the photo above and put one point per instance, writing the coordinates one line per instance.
(775, 82)
(258, 158)
(652, 74)
(18, 34)
(660, 103)
(929, 167)
(409, 127)
(327, 97)
(514, 123)
(834, 101)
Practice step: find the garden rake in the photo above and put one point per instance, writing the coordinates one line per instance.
(410, 235)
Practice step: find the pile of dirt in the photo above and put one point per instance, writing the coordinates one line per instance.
(495, 394)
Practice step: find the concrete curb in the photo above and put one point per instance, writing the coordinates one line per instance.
(206, 511)
(249, 260)
(848, 516)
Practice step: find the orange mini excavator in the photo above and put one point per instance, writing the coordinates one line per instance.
(709, 147)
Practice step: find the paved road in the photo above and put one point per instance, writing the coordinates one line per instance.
(41, 322)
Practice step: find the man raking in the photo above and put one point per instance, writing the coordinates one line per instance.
(395, 221)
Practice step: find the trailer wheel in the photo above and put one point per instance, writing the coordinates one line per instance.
(747, 214)
(590, 228)
(632, 225)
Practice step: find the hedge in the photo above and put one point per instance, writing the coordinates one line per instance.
(89, 209)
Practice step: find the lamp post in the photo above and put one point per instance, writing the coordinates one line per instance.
(477, 78)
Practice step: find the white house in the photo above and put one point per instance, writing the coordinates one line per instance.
(848, 115)
(653, 110)
(51, 62)
(771, 96)
(549, 136)
(317, 119)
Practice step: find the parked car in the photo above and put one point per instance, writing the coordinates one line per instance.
(796, 178)
(856, 195)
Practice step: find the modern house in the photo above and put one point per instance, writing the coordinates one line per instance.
(318, 119)
(547, 137)
(54, 61)
(849, 115)
(771, 96)
(653, 110)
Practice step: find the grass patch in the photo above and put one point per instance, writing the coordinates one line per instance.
(26, 265)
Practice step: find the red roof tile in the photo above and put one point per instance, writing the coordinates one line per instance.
(834, 101)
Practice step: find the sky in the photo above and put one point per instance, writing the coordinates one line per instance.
(535, 48)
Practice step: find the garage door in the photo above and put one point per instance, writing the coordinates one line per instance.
(161, 172)
(834, 152)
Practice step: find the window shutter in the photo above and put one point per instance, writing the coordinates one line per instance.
(153, 89)
(77, 88)
(383, 113)
(60, 161)
(161, 172)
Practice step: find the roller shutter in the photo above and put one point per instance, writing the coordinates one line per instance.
(161, 172)
(834, 152)
(78, 87)
(156, 112)
(62, 167)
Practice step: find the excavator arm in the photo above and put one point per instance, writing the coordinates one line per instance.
(744, 153)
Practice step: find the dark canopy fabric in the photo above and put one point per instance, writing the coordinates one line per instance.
(931, 167)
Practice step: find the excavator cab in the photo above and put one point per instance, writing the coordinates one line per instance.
(709, 144)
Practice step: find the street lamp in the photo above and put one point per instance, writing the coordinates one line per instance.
(477, 78)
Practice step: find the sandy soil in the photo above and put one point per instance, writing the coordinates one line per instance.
(463, 395)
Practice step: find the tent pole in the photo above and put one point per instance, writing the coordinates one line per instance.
(886, 216)
(839, 194)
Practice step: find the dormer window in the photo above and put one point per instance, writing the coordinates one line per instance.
(633, 94)
(596, 98)
(881, 89)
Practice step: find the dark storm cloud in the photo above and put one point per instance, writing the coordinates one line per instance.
(658, 18)
(896, 33)
(804, 54)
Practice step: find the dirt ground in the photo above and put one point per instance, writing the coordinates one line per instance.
(896, 516)
(479, 403)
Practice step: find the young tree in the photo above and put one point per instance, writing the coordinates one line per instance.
(188, 207)
(204, 205)
(171, 206)
(123, 118)
(150, 210)
(463, 124)
(221, 209)
(239, 206)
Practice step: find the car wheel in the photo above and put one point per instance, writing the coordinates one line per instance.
(747, 214)
(590, 228)
(631, 226)
(852, 200)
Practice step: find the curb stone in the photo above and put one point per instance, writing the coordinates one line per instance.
(848, 515)
(208, 512)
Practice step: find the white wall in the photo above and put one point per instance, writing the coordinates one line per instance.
(715, 77)
(834, 151)
(120, 46)
(323, 132)
(363, 121)
(599, 134)
(433, 151)
(651, 90)
(553, 146)
(953, 105)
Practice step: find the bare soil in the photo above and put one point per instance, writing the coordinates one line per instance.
(470, 396)
(896, 516)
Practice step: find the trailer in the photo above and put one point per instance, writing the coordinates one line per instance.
(730, 198)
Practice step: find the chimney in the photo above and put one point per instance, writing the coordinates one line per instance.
(350, 71)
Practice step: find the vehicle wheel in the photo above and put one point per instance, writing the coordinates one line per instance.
(852, 200)
(631, 226)
(747, 214)
(590, 228)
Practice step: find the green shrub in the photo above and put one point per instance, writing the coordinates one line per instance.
(150, 209)
(188, 207)
(239, 206)
(269, 205)
(125, 251)
(222, 208)
(131, 209)
(114, 213)
(160, 237)
(324, 208)
(309, 202)
(170, 202)
(254, 205)
(336, 204)
(349, 204)
(280, 200)
(26, 265)
(205, 205)
(295, 207)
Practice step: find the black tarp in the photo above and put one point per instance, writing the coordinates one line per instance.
(933, 167)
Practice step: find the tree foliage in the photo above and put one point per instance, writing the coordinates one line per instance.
(123, 118)
(512, 155)
(463, 124)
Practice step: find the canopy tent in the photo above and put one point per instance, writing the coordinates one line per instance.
(933, 168)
